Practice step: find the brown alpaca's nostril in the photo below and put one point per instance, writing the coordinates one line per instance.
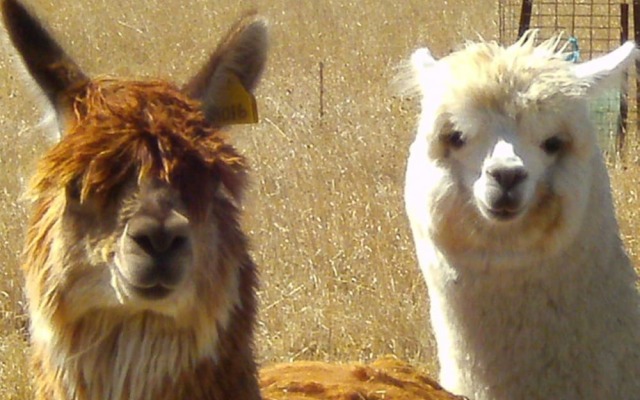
(508, 177)
(159, 242)
(159, 237)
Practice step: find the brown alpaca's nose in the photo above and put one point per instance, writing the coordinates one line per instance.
(159, 236)
(155, 253)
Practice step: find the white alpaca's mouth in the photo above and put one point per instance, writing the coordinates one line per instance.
(503, 209)
(503, 214)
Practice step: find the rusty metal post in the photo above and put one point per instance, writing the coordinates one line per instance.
(636, 37)
(624, 107)
(525, 17)
(321, 76)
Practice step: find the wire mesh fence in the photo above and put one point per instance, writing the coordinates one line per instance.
(595, 27)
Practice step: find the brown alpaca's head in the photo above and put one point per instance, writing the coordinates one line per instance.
(135, 207)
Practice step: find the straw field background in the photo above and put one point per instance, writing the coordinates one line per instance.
(324, 211)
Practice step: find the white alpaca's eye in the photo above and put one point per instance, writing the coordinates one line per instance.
(455, 139)
(552, 145)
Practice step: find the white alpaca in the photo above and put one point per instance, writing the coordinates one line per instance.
(532, 294)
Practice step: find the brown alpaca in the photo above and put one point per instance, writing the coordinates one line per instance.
(139, 281)
(385, 378)
(138, 278)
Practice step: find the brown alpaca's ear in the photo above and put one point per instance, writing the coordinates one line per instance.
(54, 71)
(225, 83)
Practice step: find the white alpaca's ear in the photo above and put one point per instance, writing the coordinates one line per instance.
(421, 60)
(411, 79)
(605, 72)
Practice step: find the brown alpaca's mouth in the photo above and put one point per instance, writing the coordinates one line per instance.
(153, 293)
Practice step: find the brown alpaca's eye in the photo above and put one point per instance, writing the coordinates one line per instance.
(455, 139)
(552, 145)
(74, 190)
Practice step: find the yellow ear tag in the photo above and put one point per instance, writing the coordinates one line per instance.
(235, 105)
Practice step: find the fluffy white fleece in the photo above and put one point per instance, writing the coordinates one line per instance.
(534, 299)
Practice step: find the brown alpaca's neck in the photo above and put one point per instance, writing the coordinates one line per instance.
(146, 357)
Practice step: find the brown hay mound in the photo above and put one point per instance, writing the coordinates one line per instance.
(386, 378)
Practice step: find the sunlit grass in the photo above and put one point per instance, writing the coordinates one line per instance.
(324, 211)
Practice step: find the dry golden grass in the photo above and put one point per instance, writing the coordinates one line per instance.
(324, 212)
(625, 179)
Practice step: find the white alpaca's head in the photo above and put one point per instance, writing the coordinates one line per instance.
(505, 150)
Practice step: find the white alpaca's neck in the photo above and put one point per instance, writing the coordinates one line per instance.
(543, 328)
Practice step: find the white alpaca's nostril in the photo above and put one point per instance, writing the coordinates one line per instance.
(507, 177)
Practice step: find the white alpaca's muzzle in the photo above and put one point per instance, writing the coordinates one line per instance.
(504, 188)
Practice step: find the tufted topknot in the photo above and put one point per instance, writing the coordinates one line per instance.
(515, 78)
(123, 128)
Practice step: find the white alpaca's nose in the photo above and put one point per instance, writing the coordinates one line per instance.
(502, 188)
(505, 167)
(507, 177)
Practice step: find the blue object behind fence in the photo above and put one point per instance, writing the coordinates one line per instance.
(574, 56)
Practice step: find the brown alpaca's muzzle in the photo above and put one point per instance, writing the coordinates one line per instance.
(155, 250)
